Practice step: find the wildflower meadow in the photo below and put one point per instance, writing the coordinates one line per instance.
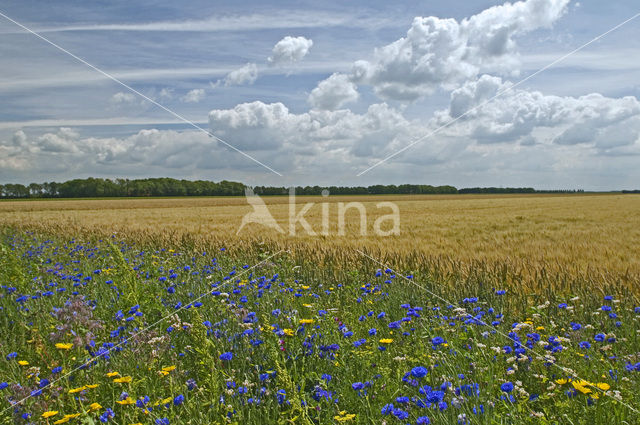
(105, 330)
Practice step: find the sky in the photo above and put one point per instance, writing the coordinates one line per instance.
(323, 93)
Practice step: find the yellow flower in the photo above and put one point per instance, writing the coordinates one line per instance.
(386, 341)
(77, 390)
(580, 386)
(343, 416)
(305, 287)
(62, 421)
(603, 386)
(72, 415)
(306, 321)
(94, 406)
(61, 346)
(288, 332)
(168, 368)
(112, 374)
(562, 381)
(49, 413)
(92, 385)
(23, 363)
(123, 380)
(127, 401)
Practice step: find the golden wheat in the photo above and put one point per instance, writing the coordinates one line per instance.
(597, 235)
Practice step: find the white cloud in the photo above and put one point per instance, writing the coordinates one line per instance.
(193, 96)
(261, 126)
(122, 98)
(64, 141)
(440, 52)
(166, 93)
(520, 116)
(333, 92)
(247, 74)
(290, 50)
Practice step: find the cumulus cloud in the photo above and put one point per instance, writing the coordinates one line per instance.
(193, 96)
(247, 74)
(524, 116)
(290, 50)
(260, 126)
(333, 92)
(122, 98)
(440, 52)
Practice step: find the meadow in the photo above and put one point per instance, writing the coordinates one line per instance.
(484, 310)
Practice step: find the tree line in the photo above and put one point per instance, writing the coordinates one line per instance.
(101, 188)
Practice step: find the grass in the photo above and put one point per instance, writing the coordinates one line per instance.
(516, 309)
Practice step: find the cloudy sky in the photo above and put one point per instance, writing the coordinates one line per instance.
(322, 91)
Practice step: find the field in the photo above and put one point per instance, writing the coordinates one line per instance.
(483, 310)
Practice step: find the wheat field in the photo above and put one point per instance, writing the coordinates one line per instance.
(598, 235)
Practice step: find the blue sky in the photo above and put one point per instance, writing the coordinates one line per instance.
(320, 91)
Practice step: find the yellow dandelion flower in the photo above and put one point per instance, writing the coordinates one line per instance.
(123, 380)
(112, 374)
(127, 401)
(386, 341)
(23, 363)
(49, 413)
(163, 373)
(288, 332)
(168, 368)
(64, 346)
(343, 416)
(580, 386)
(62, 421)
(94, 406)
(72, 415)
(77, 390)
(603, 386)
(305, 287)
(306, 321)
(92, 386)
(561, 381)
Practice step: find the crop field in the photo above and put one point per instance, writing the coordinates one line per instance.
(482, 310)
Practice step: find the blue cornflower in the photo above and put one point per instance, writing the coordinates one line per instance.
(507, 387)
(226, 356)
(388, 408)
(419, 372)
